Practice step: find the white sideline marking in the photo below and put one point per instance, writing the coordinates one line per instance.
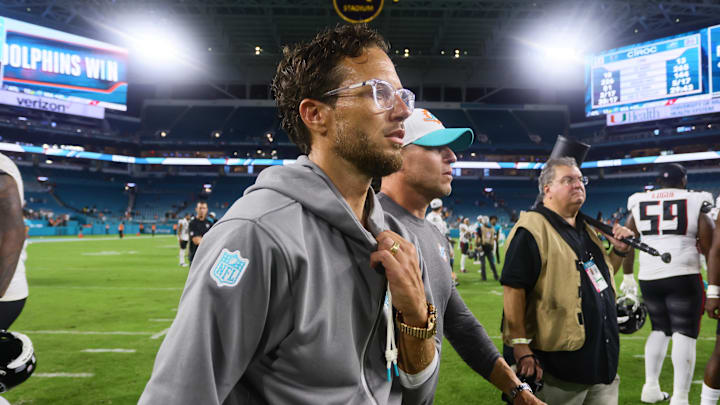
(697, 381)
(67, 375)
(108, 351)
(89, 239)
(99, 287)
(160, 334)
(80, 332)
(160, 319)
(495, 292)
(642, 356)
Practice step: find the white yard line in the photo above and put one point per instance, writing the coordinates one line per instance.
(160, 334)
(64, 375)
(622, 337)
(160, 319)
(111, 253)
(99, 287)
(108, 351)
(89, 239)
(80, 332)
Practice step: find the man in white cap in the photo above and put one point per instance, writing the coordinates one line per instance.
(426, 174)
(435, 217)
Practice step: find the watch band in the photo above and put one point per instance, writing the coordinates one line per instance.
(419, 333)
(520, 341)
(515, 391)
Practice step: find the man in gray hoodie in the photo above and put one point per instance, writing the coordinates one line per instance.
(428, 153)
(292, 294)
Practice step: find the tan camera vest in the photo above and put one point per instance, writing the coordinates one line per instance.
(554, 307)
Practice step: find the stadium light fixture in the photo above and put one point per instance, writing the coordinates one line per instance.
(48, 161)
(556, 49)
(42, 179)
(156, 44)
(258, 50)
(216, 134)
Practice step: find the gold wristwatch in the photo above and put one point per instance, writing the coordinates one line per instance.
(419, 333)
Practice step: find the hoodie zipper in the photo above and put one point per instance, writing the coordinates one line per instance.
(363, 380)
(364, 351)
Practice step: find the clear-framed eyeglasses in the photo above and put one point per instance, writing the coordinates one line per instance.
(384, 94)
(569, 180)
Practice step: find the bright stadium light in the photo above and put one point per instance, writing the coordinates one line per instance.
(553, 51)
(157, 46)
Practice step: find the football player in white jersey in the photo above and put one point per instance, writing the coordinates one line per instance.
(465, 236)
(183, 234)
(13, 284)
(435, 217)
(714, 211)
(671, 219)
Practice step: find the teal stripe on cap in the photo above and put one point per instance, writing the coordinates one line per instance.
(457, 139)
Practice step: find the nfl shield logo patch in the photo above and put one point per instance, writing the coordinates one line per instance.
(228, 268)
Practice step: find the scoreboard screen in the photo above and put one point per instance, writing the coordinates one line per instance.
(663, 72)
(47, 69)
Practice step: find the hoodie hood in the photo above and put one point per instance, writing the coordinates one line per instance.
(306, 183)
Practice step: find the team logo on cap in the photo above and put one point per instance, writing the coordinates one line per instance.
(228, 268)
(429, 117)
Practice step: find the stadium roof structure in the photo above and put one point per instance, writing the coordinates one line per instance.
(484, 31)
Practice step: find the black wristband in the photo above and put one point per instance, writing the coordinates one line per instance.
(618, 253)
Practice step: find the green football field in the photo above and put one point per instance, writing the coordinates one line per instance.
(99, 307)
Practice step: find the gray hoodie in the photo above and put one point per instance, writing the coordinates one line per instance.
(281, 305)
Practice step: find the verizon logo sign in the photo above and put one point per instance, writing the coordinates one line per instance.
(52, 105)
(42, 105)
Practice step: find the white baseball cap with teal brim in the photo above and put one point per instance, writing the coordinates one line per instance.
(424, 129)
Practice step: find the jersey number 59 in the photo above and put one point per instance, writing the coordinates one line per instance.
(671, 210)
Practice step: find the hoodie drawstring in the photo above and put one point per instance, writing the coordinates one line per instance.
(391, 351)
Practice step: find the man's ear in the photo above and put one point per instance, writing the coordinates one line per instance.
(316, 115)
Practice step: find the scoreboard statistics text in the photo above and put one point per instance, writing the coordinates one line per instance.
(679, 69)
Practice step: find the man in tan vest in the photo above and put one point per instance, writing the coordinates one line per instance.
(560, 320)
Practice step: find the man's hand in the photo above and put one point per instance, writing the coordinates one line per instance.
(526, 363)
(404, 276)
(712, 306)
(402, 270)
(620, 232)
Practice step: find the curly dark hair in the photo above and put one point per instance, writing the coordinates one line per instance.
(310, 69)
